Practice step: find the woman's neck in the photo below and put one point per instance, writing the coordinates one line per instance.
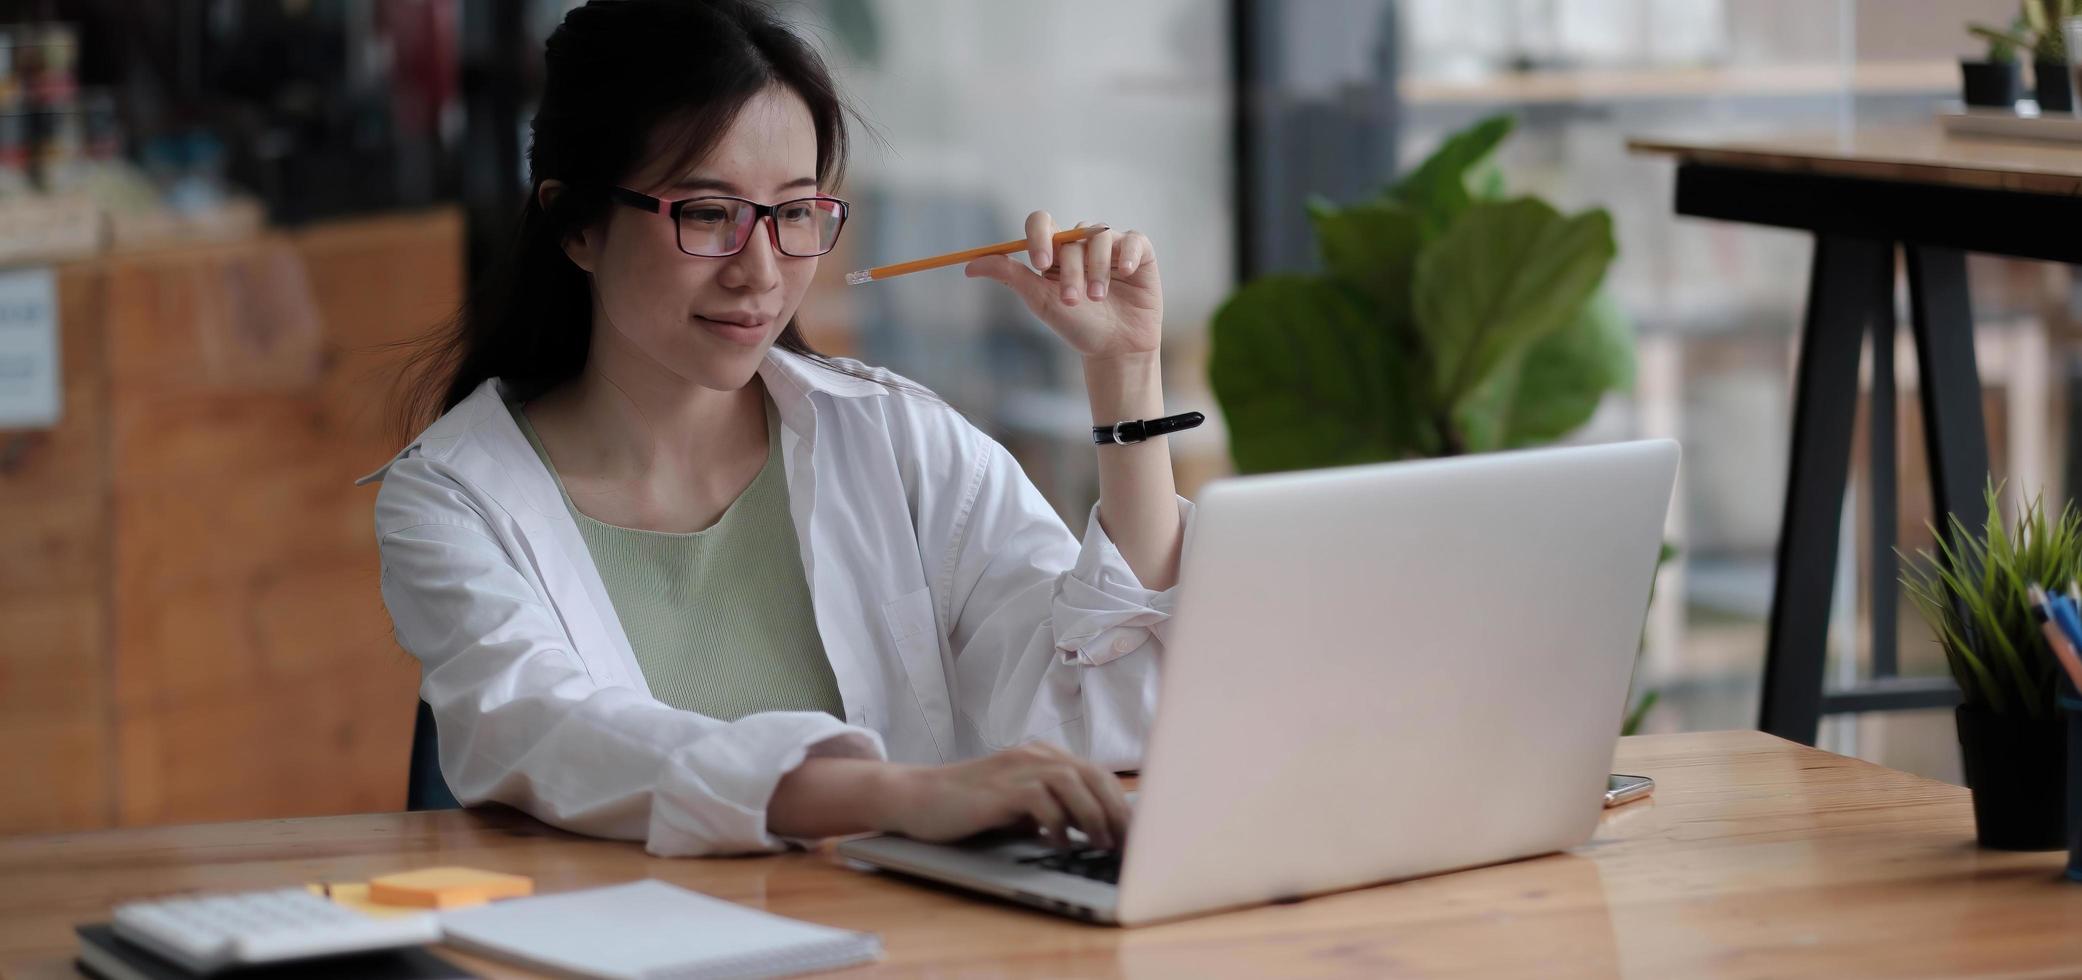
(648, 426)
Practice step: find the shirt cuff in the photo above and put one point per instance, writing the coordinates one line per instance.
(1101, 611)
(714, 796)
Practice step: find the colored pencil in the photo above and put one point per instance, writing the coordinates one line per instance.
(2056, 637)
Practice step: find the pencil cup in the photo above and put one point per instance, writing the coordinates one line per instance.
(2071, 711)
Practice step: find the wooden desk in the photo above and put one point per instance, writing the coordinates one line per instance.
(1756, 856)
(1866, 193)
(1910, 154)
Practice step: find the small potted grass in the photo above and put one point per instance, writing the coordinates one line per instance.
(1997, 80)
(2039, 29)
(1973, 590)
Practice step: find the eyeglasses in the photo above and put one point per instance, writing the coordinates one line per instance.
(716, 227)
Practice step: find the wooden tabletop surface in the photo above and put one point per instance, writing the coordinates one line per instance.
(1755, 857)
(1918, 153)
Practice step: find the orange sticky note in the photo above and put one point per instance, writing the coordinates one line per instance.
(447, 888)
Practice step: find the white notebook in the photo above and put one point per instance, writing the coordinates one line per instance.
(649, 929)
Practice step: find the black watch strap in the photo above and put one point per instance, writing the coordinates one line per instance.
(1124, 433)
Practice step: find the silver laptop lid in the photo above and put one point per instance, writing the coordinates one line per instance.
(1386, 671)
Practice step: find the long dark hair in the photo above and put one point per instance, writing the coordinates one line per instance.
(615, 71)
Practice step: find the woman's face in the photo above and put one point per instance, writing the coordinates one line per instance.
(705, 320)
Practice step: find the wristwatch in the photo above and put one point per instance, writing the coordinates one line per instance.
(1125, 433)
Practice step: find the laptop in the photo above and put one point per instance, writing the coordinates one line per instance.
(1376, 673)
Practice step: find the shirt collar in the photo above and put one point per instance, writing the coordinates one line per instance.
(790, 379)
(801, 375)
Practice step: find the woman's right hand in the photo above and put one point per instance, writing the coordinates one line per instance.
(1035, 783)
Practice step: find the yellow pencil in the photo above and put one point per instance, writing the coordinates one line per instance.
(956, 258)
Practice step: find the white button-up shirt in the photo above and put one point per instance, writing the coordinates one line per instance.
(959, 615)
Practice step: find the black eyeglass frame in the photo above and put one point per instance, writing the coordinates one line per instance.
(768, 212)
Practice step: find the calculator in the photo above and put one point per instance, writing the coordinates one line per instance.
(209, 933)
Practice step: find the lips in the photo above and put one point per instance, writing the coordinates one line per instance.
(750, 321)
(743, 329)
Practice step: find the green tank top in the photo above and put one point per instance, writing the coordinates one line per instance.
(719, 619)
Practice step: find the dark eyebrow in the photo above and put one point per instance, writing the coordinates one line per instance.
(726, 187)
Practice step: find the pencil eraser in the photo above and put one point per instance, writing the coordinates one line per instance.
(447, 888)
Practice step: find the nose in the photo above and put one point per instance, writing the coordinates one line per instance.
(757, 266)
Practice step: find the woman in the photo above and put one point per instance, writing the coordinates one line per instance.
(673, 576)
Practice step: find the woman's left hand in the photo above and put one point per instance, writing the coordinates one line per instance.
(1100, 294)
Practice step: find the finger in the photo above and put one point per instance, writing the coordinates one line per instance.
(1119, 812)
(1134, 250)
(1030, 285)
(1041, 749)
(1042, 805)
(1086, 814)
(1070, 261)
(1098, 263)
(1113, 801)
(1040, 240)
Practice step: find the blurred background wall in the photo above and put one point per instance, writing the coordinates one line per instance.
(220, 212)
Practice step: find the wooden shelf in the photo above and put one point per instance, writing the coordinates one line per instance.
(1671, 84)
(188, 577)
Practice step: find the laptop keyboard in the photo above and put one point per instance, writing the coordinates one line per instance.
(1085, 862)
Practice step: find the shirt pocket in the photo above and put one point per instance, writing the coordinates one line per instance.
(915, 632)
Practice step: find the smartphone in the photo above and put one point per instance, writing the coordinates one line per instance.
(1624, 789)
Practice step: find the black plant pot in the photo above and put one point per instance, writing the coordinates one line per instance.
(2017, 768)
(2055, 90)
(1991, 83)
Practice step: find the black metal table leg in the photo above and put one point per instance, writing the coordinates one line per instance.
(1854, 220)
(1953, 433)
(1852, 278)
(1883, 463)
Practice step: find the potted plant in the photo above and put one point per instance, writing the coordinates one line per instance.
(1996, 81)
(2012, 741)
(2051, 84)
(2038, 29)
(1449, 319)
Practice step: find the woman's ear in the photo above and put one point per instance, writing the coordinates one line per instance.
(581, 245)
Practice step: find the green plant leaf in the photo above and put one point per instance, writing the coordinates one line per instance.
(1437, 189)
(2002, 45)
(1632, 725)
(2042, 20)
(1371, 247)
(1548, 389)
(1430, 290)
(1505, 275)
(1303, 376)
(1487, 184)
